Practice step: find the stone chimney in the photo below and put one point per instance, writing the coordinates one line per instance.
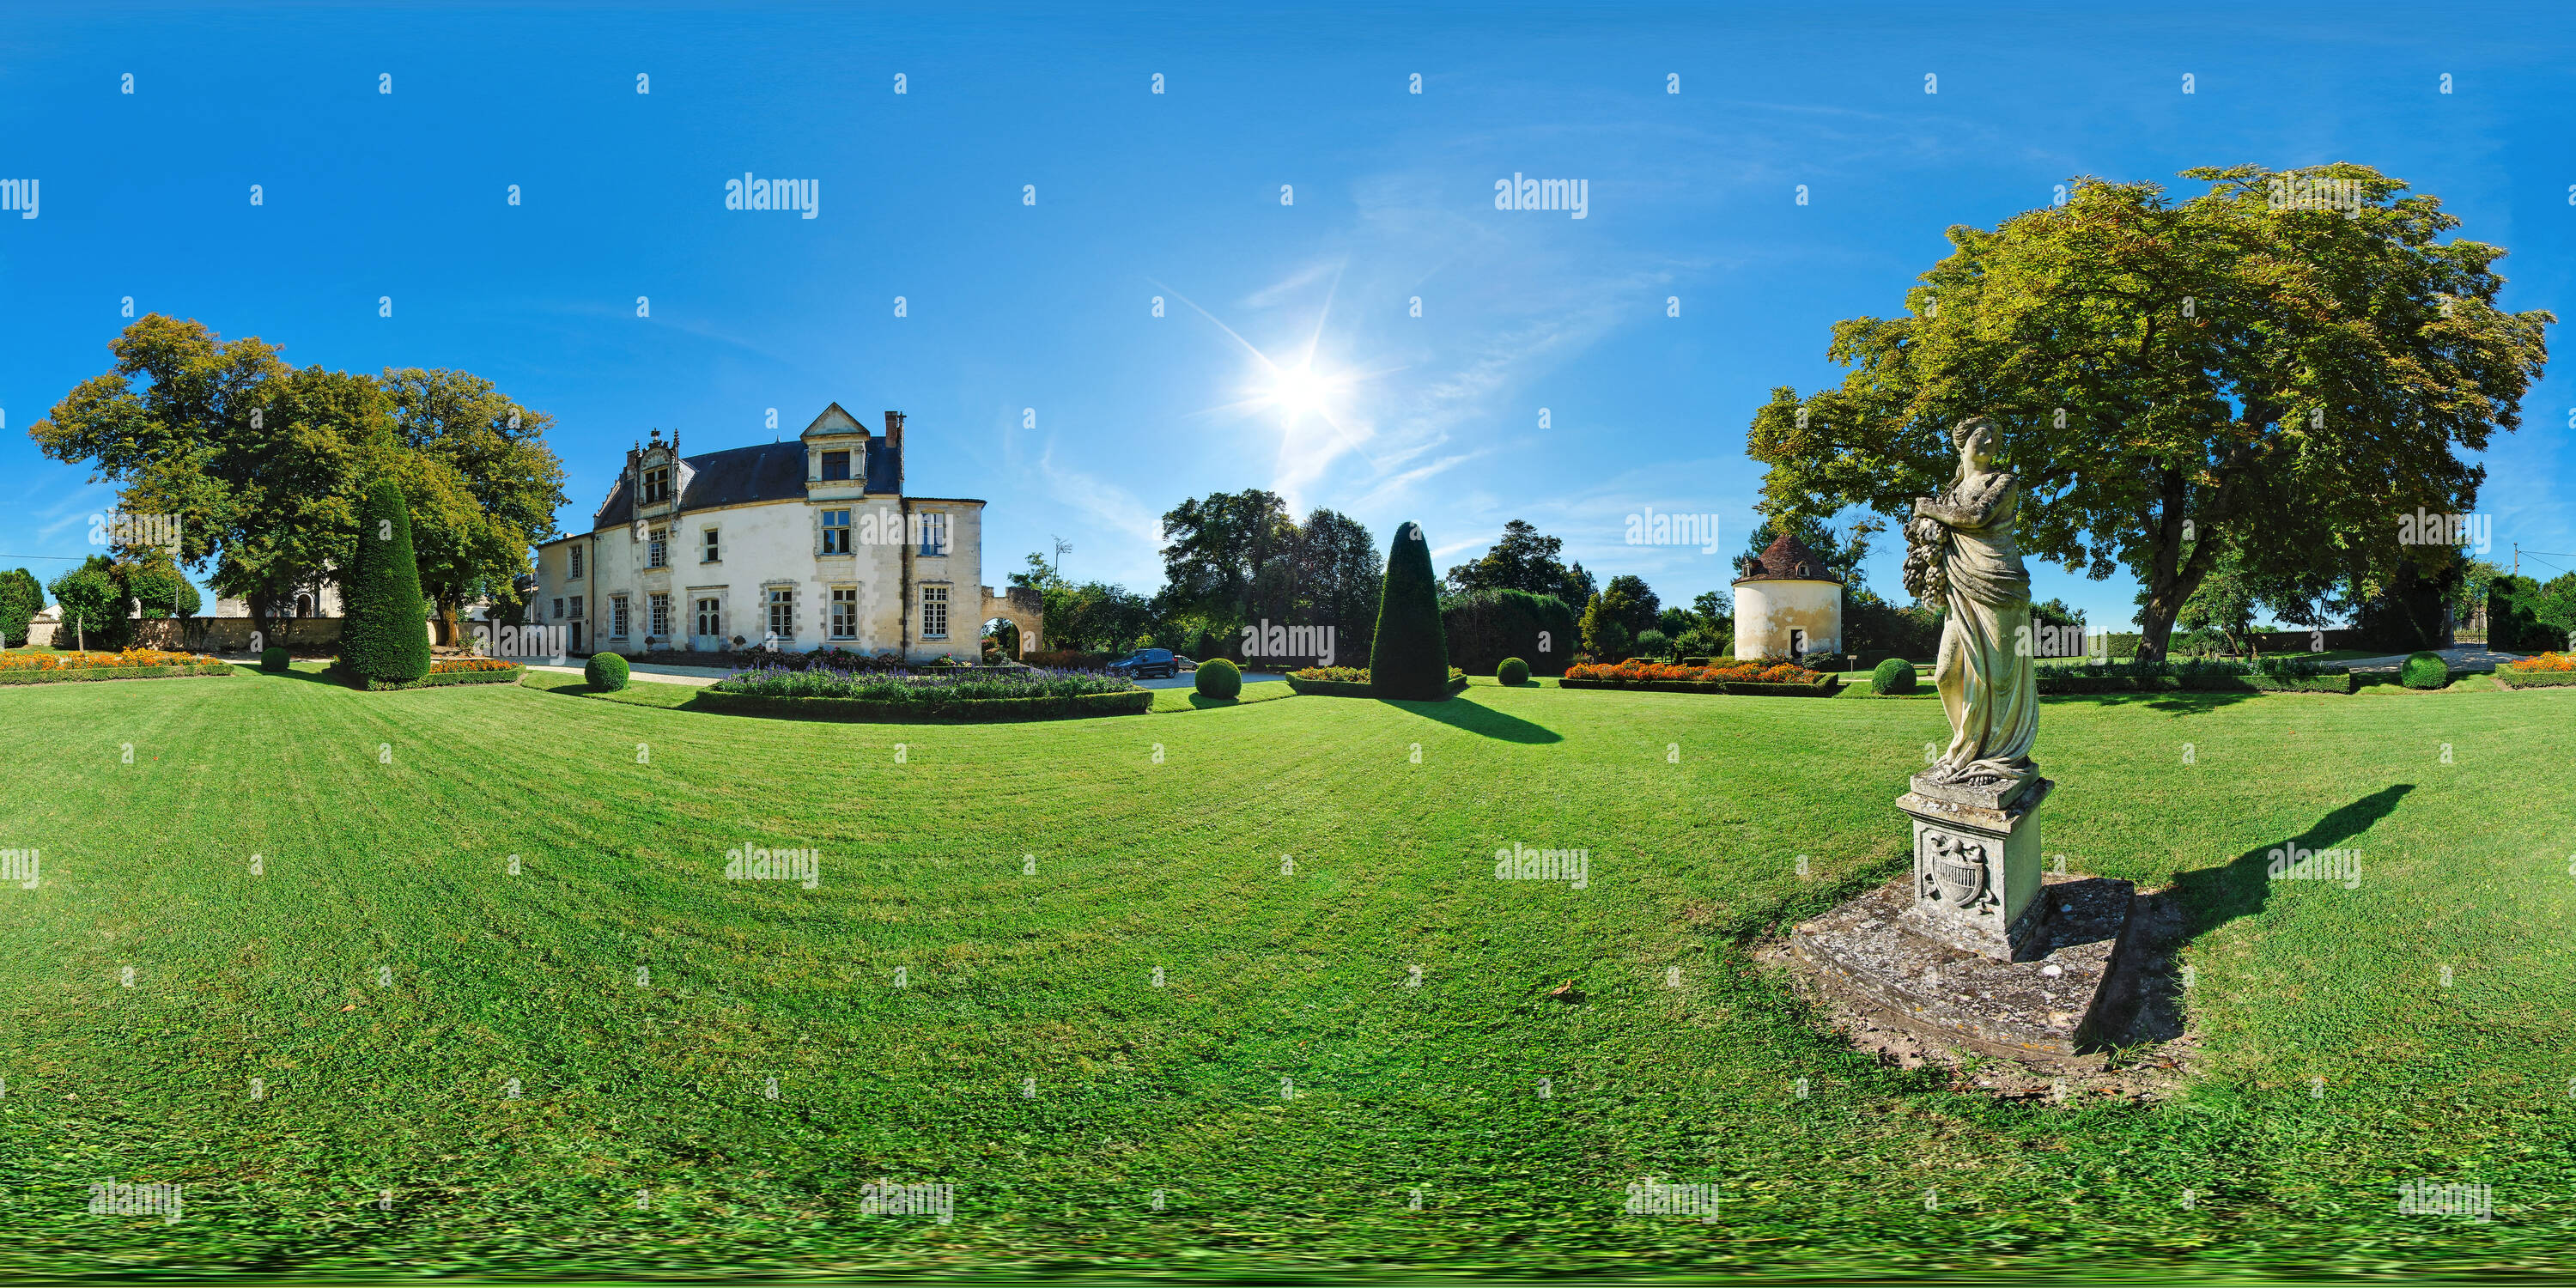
(894, 444)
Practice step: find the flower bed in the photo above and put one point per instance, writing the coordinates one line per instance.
(941, 685)
(1350, 681)
(1751, 679)
(132, 664)
(2539, 671)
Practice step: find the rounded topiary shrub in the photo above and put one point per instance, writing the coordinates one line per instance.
(272, 658)
(1409, 654)
(1512, 671)
(1219, 678)
(605, 671)
(2424, 671)
(1895, 675)
(384, 634)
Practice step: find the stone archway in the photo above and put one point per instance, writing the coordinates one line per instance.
(1021, 607)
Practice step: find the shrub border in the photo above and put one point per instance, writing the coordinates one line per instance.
(1352, 689)
(2057, 685)
(73, 675)
(433, 680)
(2513, 679)
(951, 711)
(1823, 686)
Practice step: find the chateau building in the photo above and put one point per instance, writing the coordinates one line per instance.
(811, 544)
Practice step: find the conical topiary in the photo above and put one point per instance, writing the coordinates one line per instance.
(384, 633)
(1409, 657)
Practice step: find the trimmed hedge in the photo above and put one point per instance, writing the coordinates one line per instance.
(1824, 687)
(1895, 675)
(1512, 671)
(1219, 678)
(78, 674)
(2513, 679)
(2054, 681)
(1482, 627)
(433, 680)
(385, 634)
(1349, 689)
(273, 659)
(605, 671)
(958, 711)
(2424, 670)
(1409, 654)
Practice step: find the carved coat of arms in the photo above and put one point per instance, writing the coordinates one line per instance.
(1956, 873)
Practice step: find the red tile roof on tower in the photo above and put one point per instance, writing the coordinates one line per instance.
(1787, 559)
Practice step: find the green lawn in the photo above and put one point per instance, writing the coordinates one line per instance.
(1284, 1089)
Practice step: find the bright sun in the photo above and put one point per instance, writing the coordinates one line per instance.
(1298, 390)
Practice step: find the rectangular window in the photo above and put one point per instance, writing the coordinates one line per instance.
(836, 466)
(575, 553)
(657, 549)
(836, 532)
(657, 484)
(659, 615)
(617, 617)
(934, 533)
(710, 556)
(934, 612)
(576, 607)
(782, 612)
(710, 616)
(845, 612)
(558, 610)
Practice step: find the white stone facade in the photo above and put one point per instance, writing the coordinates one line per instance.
(805, 545)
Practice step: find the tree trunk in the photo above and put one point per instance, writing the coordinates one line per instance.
(2155, 627)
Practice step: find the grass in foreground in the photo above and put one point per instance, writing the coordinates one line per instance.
(1287, 1090)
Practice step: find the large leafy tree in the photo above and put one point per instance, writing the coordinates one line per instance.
(1216, 550)
(265, 464)
(1338, 579)
(2182, 380)
(1524, 559)
(483, 484)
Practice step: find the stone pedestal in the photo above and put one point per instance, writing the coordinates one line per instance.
(2063, 1006)
(1976, 866)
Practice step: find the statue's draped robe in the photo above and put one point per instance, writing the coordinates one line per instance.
(1984, 671)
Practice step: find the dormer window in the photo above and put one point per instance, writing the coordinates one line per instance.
(657, 484)
(836, 466)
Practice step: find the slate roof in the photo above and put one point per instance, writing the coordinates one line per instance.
(761, 472)
(1787, 559)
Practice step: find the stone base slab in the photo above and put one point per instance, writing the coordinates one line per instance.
(2064, 1005)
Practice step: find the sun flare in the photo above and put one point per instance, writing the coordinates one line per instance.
(1299, 390)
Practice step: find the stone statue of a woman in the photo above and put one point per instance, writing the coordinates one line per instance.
(1961, 558)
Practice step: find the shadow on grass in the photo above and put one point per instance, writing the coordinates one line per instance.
(2174, 701)
(315, 676)
(1477, 718)
(2201, 901)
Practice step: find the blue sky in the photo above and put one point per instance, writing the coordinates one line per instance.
(1041, 313)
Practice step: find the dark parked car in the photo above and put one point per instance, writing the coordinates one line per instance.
(1147, 663)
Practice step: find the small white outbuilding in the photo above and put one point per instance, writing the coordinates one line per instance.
(1788, 604)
